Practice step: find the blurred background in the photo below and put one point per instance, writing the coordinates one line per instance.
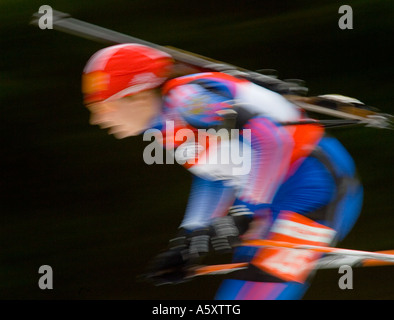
(86, 204)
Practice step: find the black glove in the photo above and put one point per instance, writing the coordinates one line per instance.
(226, 231)
(188, 248)
(171, 266)
(221, 236)
(168, 267)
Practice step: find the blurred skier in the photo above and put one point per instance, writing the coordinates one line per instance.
(300, 187)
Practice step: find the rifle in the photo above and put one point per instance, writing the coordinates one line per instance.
(348, 111)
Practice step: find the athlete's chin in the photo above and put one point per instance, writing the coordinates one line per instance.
(120, 135)
(123, 134)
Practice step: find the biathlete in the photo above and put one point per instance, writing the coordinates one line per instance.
(301, 185)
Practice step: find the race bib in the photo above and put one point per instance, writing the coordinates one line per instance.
(293, 264)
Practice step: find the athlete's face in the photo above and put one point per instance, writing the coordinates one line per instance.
(128, 116)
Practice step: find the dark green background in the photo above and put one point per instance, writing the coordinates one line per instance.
(76, 199)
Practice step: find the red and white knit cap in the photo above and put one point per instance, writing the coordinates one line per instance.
(123, 70)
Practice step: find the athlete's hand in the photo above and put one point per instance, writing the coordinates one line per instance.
(226, 231)
(188, 248)
(171, 266)
(168, 267)
(221, 236)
